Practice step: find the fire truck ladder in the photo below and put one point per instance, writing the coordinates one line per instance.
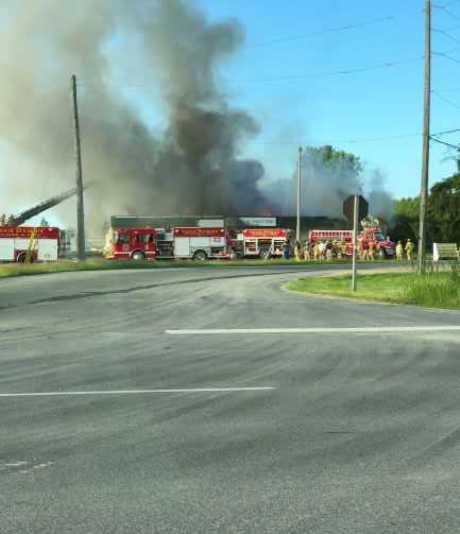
(32, 246)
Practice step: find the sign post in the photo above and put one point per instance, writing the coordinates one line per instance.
(354, 275)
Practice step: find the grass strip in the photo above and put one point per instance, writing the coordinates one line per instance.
(432, 290)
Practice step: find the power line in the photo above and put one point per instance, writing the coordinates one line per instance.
(446, 34)
(338, 29)
(446, 132)
(446, 100)
(289, 77)
(447, 11)
(342, 141)
(450, 145)
(447, 56)
(451, 90)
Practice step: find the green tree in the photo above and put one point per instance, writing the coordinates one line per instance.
(444, 210)
(443, 213)
(331, 157)
(405, 223)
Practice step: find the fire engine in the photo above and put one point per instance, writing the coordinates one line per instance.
(385, 247)
(130, 244)
(260, 242)
(33, 243)
(198, 243)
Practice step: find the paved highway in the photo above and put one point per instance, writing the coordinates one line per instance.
(110, 424)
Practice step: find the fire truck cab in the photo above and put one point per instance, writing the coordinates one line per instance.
(17, 242)
(130, 243)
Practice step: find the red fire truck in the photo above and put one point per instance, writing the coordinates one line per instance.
(198, 243)
(385, 247)
(37, 243)
(260, 242)
(130, 244)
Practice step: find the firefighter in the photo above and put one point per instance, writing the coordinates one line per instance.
(335, 249)
(322, 250)
(409, 250)
(371, 251)
(329, 251)
(399, 251)
(316, 252)
(286, 250)
(306, 251)
(362, 252)
(297, 251)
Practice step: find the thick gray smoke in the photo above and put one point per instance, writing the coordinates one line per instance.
(326, 184)
(190, 167)
(381, 202)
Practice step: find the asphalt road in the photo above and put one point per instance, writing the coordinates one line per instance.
(357, 433)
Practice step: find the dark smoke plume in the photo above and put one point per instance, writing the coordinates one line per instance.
(191, 166)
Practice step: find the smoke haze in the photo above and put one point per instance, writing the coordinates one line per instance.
(190, 166)
(325, 185)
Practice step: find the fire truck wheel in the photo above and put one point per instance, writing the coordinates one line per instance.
(138, 256)
(200, 255)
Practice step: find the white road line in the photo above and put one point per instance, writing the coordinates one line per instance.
(353, 330)
(138, 391)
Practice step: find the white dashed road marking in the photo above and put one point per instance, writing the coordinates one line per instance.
(139, 391)
(352, 330)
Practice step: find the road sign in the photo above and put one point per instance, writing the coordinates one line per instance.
(349, 205)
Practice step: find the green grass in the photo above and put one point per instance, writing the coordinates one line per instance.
(433, 290)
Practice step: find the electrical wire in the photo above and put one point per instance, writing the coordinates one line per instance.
(446, 56)
(338, 29)
(446, 100)
(447, 11)
(446, 34)
(450, 145)
(446, 132)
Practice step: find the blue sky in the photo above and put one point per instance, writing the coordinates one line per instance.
(351, 111)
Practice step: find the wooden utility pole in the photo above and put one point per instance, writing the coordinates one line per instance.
(299, 193)
(81, 248)
(426, 143)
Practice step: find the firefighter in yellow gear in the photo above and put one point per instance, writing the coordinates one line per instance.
(399, 251)
(297, 251)
(316, 252)
(307, 251)
(409, 250)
